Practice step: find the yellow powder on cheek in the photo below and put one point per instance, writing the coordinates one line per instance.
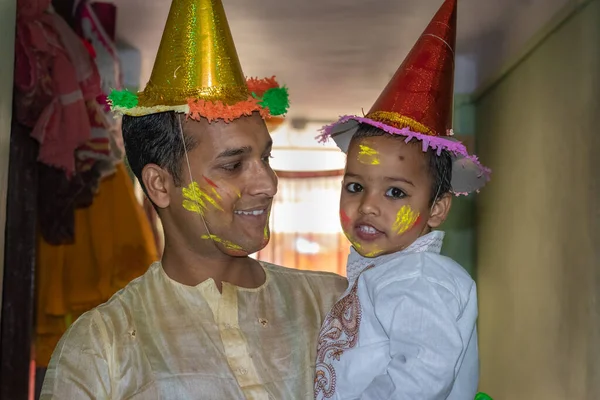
(368, 155)
(196, 200)
(232, 189)
(405, 219)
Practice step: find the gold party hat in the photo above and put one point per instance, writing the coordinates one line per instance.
(197, 71)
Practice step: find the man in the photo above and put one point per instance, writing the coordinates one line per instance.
(207, 322)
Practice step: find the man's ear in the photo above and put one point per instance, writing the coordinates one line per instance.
(158, 184)
(440, 210)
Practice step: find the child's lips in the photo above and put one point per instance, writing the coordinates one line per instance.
(367, 232)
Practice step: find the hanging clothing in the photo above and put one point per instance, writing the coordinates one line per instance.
(95, 23)
(113, 245)
(55, 78)
(57, 85)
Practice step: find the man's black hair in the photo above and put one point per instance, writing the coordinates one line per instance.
(155, 139)
(440, 167)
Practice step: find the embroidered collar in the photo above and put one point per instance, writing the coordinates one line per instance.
(431, 243)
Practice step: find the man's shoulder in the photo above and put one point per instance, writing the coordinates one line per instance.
(318, 282)
(116, 310)
(306, 289)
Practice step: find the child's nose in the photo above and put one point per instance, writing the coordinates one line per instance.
(369, 206)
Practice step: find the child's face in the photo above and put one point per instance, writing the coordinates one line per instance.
(384, 205)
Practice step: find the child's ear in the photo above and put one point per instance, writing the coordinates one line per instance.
(440, 210)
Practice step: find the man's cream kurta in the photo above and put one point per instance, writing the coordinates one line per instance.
(158, 339)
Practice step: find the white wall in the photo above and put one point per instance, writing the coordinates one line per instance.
(8, 9)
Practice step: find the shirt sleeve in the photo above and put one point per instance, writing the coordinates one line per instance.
(420, 318)
(78, 368)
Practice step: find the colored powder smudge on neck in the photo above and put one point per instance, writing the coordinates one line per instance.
(227, 244)
(373, 253)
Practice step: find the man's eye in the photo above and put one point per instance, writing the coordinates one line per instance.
(266, 158)
(354, 187)
(395, 193)
(232, 167)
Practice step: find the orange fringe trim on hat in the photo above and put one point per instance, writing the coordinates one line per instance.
(217, 110)
(260, 86)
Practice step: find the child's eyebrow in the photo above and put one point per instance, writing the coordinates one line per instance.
(398, 179)
(386, 178)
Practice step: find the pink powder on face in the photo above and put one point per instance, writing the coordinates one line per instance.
(344, 218)
(211, 183)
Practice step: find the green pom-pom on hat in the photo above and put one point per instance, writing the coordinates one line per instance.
(276, 100)
(482, 396)
(123, 99)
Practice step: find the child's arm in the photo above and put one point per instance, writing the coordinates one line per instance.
(425, 343)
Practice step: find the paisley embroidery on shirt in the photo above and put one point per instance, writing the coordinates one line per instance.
(338, 334)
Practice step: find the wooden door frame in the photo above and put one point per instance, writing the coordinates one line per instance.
(18, 205)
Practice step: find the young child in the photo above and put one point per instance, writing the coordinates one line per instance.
(405, 327)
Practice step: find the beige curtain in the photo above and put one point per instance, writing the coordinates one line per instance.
(305, 228)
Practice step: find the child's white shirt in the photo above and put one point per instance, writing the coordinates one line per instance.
(404, 329)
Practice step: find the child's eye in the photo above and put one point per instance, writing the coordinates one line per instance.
(395, 193)
(354, 187)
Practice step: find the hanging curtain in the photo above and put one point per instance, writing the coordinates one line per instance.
(305, 227)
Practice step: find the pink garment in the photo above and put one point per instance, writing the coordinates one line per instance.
(106, 143)
(55, 77)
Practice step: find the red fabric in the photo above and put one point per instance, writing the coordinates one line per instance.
(422, 87)
(54, 79)
(106, 132)
(107, 15)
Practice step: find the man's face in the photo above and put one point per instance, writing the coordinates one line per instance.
(384, 205)
(227, 191)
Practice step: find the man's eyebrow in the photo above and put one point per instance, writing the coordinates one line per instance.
(235, 152)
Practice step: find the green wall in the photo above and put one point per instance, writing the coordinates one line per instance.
(459, 243)
(538, 222)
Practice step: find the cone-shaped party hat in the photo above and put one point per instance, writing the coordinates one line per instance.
(419, 96)
(196, 58)
(417, 102)
(197, 71)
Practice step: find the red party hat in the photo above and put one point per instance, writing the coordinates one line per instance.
(417, 103)
(419, 96)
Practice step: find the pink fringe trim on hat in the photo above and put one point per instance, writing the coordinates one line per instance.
(434, 142)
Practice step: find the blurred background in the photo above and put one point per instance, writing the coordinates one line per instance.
(527, 90)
